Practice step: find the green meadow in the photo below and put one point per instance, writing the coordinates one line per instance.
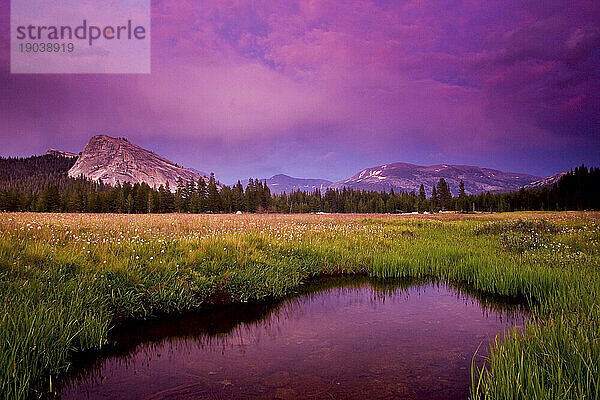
(67, 278)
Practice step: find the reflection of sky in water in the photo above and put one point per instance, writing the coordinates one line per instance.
(344, 342)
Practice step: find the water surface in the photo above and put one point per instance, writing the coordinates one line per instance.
(340, 339)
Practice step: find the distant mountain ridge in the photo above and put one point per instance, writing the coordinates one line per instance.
(61, 153)
(408, 177)
(281, 183)
(113, 160)
(545, 182)
(34, 174)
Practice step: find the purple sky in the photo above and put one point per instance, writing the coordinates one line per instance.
(323, 89)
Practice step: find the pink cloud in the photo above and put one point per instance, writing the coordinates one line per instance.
(378, 77)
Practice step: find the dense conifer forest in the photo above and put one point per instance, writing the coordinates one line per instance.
(40, 183)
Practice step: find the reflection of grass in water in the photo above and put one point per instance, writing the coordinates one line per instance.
(65, 278)
(212, 325)
(230, 326)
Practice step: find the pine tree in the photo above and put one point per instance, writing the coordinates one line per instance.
(265, 196)
(461, 190)
(50, 200)
(237, 197)
(444, 194)
(180, 196)
(202, 195)
(422, 200)
(214, 199)
(462, 202)
(151, 204)
(435, 200)
(314, 202)
(226, 196)
(166, 199)
(422, 195)
(250, 195)
(120, 200)
(129, 203)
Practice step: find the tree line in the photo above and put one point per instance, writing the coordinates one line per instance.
(40, 184)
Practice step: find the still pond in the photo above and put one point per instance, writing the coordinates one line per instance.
(338, 338)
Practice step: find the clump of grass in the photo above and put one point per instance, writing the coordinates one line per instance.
(550, 360)
(520, 242)
(525, 226)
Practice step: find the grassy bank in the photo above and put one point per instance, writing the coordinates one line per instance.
(65, 278)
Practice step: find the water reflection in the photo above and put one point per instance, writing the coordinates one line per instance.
(340, 338)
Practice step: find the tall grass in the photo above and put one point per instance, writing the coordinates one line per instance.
(65, 279)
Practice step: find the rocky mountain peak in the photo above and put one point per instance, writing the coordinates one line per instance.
(545, 182)
(60, 153)
(113, 160)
